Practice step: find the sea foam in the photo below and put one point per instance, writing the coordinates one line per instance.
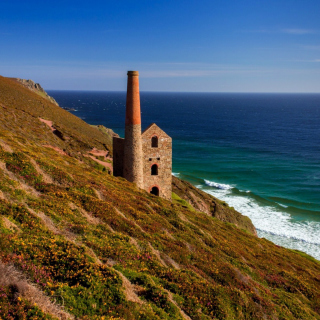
(218, 185)
(270, 222)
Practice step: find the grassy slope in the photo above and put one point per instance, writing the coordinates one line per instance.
(76, 134)
(210, 205)
(106, 250)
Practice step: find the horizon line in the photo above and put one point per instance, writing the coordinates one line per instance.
(150, 91)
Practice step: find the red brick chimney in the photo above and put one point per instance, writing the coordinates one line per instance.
(133, 114)
(133, 160)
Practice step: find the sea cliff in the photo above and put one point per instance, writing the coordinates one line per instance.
(76, 242)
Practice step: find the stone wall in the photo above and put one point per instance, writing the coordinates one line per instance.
(118, 154)
(160, 156)
(132, 162)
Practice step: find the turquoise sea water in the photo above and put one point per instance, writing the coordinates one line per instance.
(258, 152)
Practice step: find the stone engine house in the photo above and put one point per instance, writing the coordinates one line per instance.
(143, 158)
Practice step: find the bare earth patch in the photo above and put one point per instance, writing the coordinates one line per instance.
(183, 314)
(48, 123)
(5, 146)
(157, 254)
(105, 164)
(99, 194)
(46, 221)
(10, 225)
(10, 276)
(2, 195)
(122, 215)
(129, 289)
(92, 254)
(22, 185)
(46, 178)
(96, 152)
(91, 219)
(170, 261)
(56, 149)
(134, 242)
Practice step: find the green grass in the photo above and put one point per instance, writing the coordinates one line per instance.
(76, 231)
(184, 203)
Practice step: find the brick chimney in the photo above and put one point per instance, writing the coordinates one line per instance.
(133, 160)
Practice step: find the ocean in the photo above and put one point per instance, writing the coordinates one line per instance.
(258, 152)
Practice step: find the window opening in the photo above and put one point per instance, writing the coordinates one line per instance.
(154, 142)
(154, 170)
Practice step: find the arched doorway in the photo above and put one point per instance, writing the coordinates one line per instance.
(155, 191)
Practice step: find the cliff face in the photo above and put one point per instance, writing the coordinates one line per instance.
(78, 243)
(36, 87)
(210, 205)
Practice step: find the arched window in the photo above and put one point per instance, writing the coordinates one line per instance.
(155, 191)
(154, 142)
(154, 170)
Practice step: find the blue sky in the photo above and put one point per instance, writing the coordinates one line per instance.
(211, 46)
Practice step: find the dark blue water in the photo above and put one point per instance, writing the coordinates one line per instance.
(258, 152)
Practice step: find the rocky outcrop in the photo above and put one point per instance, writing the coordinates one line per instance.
(204, 202)
(36, 87)
(106, 131)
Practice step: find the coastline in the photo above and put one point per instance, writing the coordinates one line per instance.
(279, 232)
(272, 176)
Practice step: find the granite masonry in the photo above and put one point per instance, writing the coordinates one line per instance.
(144, 159)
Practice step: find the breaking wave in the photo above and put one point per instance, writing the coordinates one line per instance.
(218, 185)
(270, 219)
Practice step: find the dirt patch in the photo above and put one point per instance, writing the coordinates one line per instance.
(48, 123)
(22, 185)
(157, 254)
(3, 166)
(92, 254)
(46, 221)
(170, 261)
(46, 178)
(51, 226)
(56, 149)
(105, 164)
(91, 219)
(168, 234)
(10, 225)
(2, 196)
(185, 219)
(189, 246)
(98, 194)
(10, 276)
(122, 215)
(134, 242)
(129, 289)
(99, 153)
(5, 146)
(183, 314)
(199, 204)
(111, 262)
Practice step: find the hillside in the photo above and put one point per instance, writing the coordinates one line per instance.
(76, 242)
(22, 109)
(199, 200)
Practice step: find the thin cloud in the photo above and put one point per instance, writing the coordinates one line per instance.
(313, 60)
(293, 31)
(298, 31)
(312, 47)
